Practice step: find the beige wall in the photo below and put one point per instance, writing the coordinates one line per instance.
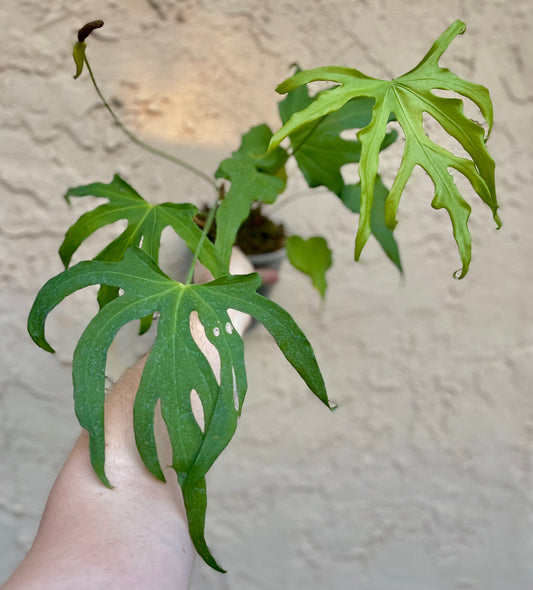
(422, 479)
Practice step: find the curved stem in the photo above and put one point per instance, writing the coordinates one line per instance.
(143, 144)
(298, 195)
(203, 237)
(306, 138)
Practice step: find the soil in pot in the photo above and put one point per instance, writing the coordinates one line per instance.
(257, 235)
(260, 238)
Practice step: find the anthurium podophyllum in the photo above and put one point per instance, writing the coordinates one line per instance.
(407, 98)
(320, 152)
(134, 287)
(175, 365)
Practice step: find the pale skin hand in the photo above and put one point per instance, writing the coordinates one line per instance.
(134, 536)
(93, 537)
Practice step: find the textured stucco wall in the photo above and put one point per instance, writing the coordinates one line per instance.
(422, 479)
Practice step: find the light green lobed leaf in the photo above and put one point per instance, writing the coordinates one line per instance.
(175, 365)
(312, 257)
(318, 147)
(321, 152)
(407, 98)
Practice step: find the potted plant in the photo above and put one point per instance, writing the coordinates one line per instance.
(132, 285)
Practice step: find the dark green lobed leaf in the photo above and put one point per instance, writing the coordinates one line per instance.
(146, 223)
(175, 365)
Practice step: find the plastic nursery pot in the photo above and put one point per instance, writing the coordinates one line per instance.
(259, 237)
(271, 260)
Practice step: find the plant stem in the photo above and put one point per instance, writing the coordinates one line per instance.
(277, 206)
(306, 138)
(298, 195)
(143, 144)
(208, 223)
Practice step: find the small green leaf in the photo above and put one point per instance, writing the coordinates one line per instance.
(312, 257)
(407, 98)
(78, 53)
(247, 185)
(175, 365)
(255, 144)
(256, 175)
(351, 197)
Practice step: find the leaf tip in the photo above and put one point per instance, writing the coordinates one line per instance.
(65, 260)
(100, 472)
(157, 472)
(282, 87)
(390, 219)
(274, 143)
(360, 241)
(37, 334)
(78, 54)
(459, 26)
(218, 568)
(44, 345)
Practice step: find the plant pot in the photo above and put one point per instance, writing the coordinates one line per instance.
(261, 239)
(271, 260)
